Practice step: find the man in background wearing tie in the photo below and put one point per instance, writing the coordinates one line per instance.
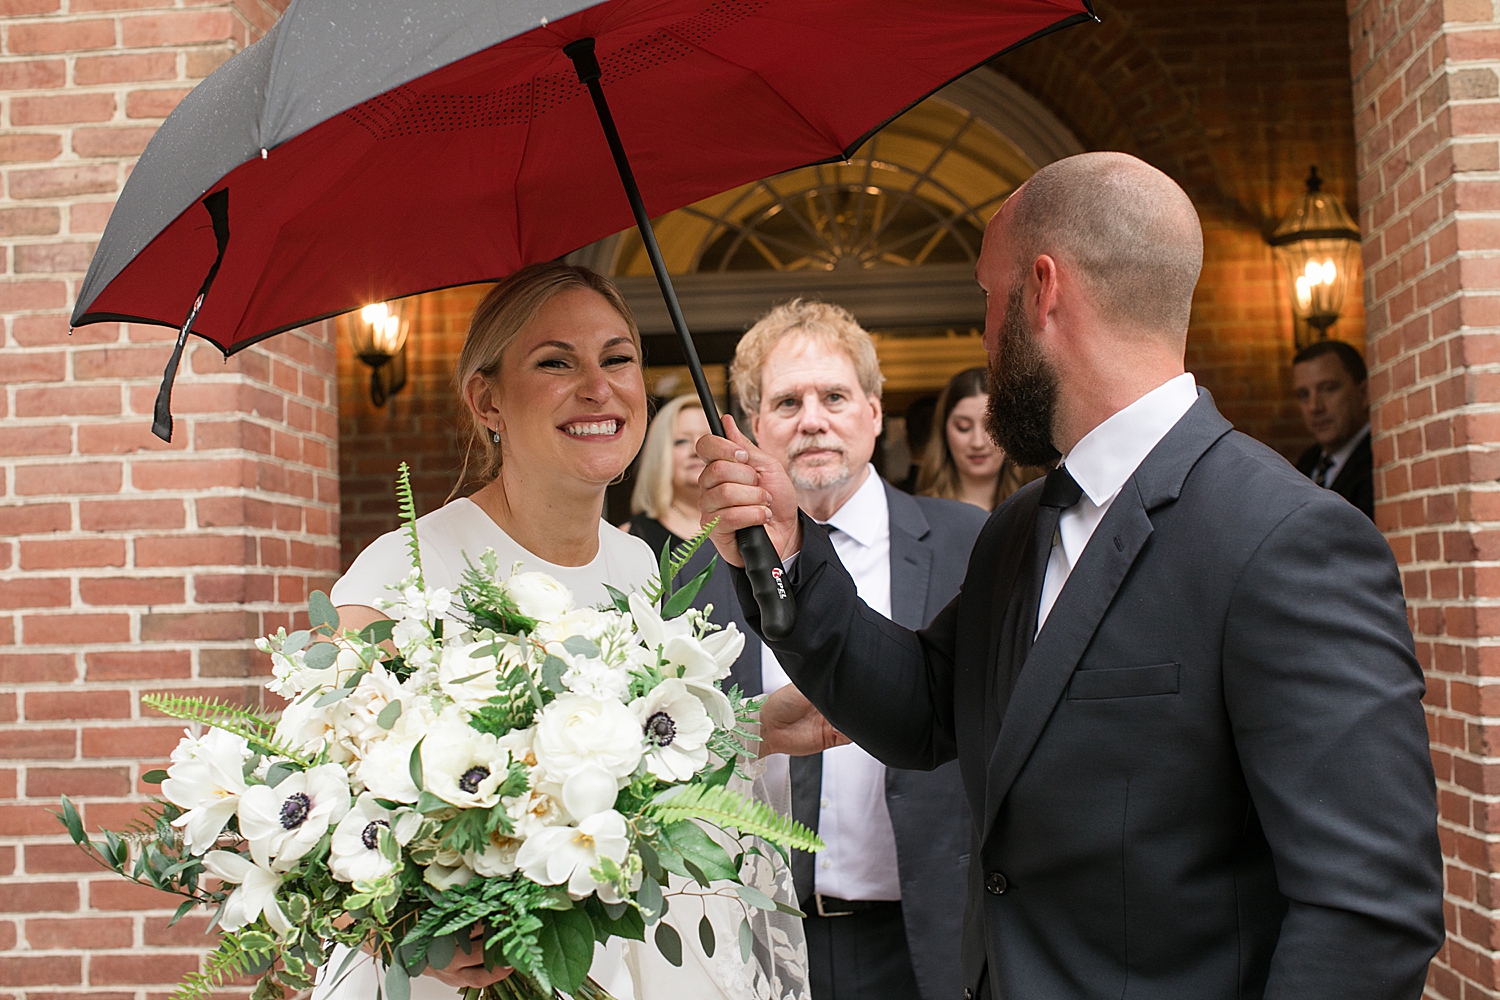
(884, 901)
(1178, 678)
(1333, 392)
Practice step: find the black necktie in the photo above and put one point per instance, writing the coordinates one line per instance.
(1321, 469)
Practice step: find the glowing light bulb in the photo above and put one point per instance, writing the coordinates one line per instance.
(1330, 272)
(1304, 292)
(375, 314)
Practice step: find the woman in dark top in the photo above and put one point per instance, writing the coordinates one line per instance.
(665, 501)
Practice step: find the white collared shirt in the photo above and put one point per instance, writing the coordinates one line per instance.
(1107, 456)
(1341, 457)
(853, 819)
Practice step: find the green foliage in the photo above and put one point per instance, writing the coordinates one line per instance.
(488, 605)
(723, 808)
(407, 505)
(509, 909)
(662, 587)
(567, 940)
(471, 829)
(256, 730)
(239, 953)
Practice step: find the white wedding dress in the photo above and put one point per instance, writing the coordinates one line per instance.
(628, 970)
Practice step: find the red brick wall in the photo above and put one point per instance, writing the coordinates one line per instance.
(126, 565)
(1427, 119)
(420, 425)
(1234, 100)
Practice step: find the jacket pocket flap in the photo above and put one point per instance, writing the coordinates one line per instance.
(1125, 682)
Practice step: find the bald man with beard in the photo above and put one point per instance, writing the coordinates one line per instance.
(1178, 678)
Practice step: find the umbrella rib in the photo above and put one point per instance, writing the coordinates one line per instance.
(744, 229)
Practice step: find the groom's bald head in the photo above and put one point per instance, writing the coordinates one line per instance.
(1126, 230)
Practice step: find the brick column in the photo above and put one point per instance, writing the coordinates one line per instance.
(1427, 119)
(126, 565)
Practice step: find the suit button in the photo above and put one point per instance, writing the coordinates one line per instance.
(968, 994)
(995, 883)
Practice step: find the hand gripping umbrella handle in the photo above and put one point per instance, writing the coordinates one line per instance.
(778, 612)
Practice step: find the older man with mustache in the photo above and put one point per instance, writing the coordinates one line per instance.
(885, 900)
(1178, 680)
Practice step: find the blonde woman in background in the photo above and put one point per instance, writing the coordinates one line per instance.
(664, 504)
(962, 462)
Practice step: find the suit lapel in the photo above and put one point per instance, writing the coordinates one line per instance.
(1089, 591)
(911, 559)
(1059, 646)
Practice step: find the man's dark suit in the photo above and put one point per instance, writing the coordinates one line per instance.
(1207, 778)
(930, 544)
(1355, 481)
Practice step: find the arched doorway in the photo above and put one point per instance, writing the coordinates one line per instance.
(892, 234)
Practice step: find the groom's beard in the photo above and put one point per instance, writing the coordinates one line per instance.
(1023, 391)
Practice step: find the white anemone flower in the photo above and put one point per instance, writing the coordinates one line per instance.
(701, 670)
(285, 822)
(677, 729)
(654, 631)
(538, 595)
(463, 766)
(575, 731)
(354, 853)
(208, 782)
(567, 854)
(255, 893)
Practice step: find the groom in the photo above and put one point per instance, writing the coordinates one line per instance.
(1178, 679)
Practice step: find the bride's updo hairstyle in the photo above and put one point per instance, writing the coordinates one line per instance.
(507, 310)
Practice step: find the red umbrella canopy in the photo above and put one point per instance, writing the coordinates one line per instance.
(497, 160)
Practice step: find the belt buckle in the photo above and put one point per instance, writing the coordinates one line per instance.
(823, 912)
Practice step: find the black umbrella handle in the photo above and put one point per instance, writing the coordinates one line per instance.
(778, 611)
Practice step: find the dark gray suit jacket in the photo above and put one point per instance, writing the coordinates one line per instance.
(930, 544)
(1207, 778)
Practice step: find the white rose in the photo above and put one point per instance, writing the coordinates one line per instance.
(471, 681)
(538, 596)
(576, 732)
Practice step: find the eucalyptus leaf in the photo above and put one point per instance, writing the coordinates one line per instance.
(320, 611)
(414, 765)
(441, 952)
(581, 646)
(747, 940)
(695, 872)
(790, 911)
(388, 715)
(706, 935)
(651, 862)
(397, 982)
(320, 655)
(337, 694)
(649, 899)
(296, 641)
(154, 777)
(279, 772)
(553, 668)
(755, 897)
(669, 944)
(377, 631)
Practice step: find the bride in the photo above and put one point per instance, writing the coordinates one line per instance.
(551, 375)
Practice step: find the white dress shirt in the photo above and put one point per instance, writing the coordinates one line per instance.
(1339, 458)
(1100, 463)
(853, 820)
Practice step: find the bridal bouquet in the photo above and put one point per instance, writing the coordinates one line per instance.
(492, 769)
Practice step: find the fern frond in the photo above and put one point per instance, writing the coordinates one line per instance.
(657, 585)
(237, 954)
(723, 808)
(245, 723)
(406, 503)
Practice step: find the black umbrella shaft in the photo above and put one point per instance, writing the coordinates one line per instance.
(778, 611)
(588, 71)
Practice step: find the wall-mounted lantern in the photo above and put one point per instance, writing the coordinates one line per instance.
(1318, 243)
(379, 334)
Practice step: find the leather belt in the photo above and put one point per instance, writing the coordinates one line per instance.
(832, 906)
